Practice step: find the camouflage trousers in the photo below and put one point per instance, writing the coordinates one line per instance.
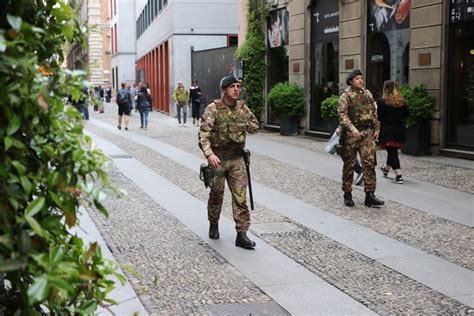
(234, 172)
(366, 148)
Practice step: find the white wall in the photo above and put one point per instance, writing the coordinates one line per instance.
(125, 56)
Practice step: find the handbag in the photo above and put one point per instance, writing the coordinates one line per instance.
(333, 144)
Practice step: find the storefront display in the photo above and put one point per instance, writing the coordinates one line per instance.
(388, 37)
(460, 107)
(324, 60)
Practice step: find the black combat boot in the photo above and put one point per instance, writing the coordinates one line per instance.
(243, 241)
(214, 231)
(372, 200)
(348, 199)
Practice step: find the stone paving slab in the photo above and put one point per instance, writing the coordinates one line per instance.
(437, 236)
(147, 142)
(124, 295)
(432, 199)
(185, 207)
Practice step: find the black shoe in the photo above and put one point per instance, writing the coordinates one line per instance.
(243, 241)
(384, 171)
(399, 179)
(359, 179)
(348, 199)
(119, 127)
(214, 231)
(126, 128)
(372, 200)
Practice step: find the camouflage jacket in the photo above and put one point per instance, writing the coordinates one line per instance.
(357, 111)
(224, 128)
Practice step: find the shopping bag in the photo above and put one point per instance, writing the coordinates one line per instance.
(332, 145)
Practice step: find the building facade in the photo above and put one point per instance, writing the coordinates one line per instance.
(95, 59)
(168, 31)
(122, 42)
(410, 41)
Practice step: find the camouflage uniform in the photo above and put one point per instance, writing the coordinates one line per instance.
(223, 133)
(357, 111)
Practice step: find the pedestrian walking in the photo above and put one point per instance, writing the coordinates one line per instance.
(101, 99)
(108, 93)
(392, 111)
(358, 118)
(222, 140)
(243, 90)
(181, 98)
(122, 98)
(195, 95)
(144, 106)
(130, 100)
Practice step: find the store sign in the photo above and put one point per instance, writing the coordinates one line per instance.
(278, 28)
(388, 15)
(462, 10)
(326, 20)
(378, 58)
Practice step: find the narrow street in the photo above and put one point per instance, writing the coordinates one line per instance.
(314, 256)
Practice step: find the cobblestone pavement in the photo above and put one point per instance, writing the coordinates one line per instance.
(172, 270)
(381, 289)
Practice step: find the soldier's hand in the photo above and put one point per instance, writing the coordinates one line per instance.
(356, 134)
(376, 136)
(214, 161)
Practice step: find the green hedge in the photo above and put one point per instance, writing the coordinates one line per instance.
(48, 169)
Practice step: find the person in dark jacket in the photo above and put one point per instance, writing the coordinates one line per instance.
(392, 111)
(144, 106)
(195, 96)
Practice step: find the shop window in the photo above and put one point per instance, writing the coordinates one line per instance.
(388, 37)
(324, 60)
(277, 52)
(460, 109)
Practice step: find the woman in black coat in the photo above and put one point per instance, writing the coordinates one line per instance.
(392, 111)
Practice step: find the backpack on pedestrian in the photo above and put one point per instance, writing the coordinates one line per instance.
(122, 96)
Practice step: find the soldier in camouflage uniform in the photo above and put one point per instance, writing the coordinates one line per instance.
(358, 117)
(222, 140)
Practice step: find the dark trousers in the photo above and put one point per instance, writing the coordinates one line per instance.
(196, 105)
(392, 157)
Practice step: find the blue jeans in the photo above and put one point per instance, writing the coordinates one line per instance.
(184, 107)
(144, 117)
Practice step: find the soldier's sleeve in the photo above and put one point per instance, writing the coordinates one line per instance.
(375, 120)
(252, 125)
(208, 121)
(343, 112)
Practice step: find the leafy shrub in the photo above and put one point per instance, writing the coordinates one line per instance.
(329, 107)
(287, 99)
(48, 169)
(419, 102)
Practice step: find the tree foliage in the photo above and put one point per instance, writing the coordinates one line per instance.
(287, 99)
(48, 169)
(252, 52)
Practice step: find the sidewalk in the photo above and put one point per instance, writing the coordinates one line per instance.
(302, 230)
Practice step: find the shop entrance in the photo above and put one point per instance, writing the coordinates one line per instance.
(460, 109)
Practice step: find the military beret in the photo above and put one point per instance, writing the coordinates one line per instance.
(227, 81)
(355, 72)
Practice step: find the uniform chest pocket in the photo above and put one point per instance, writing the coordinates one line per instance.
(236, 132)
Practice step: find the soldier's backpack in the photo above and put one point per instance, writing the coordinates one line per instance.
(122, 96)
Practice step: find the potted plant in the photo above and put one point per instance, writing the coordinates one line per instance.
(329, 112)
(420, 106)
(287, 101)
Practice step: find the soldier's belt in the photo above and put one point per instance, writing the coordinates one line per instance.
(230, 155)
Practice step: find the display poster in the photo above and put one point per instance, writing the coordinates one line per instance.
(325, 17)
(278, 28)
(388, 15)
(462, 10)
